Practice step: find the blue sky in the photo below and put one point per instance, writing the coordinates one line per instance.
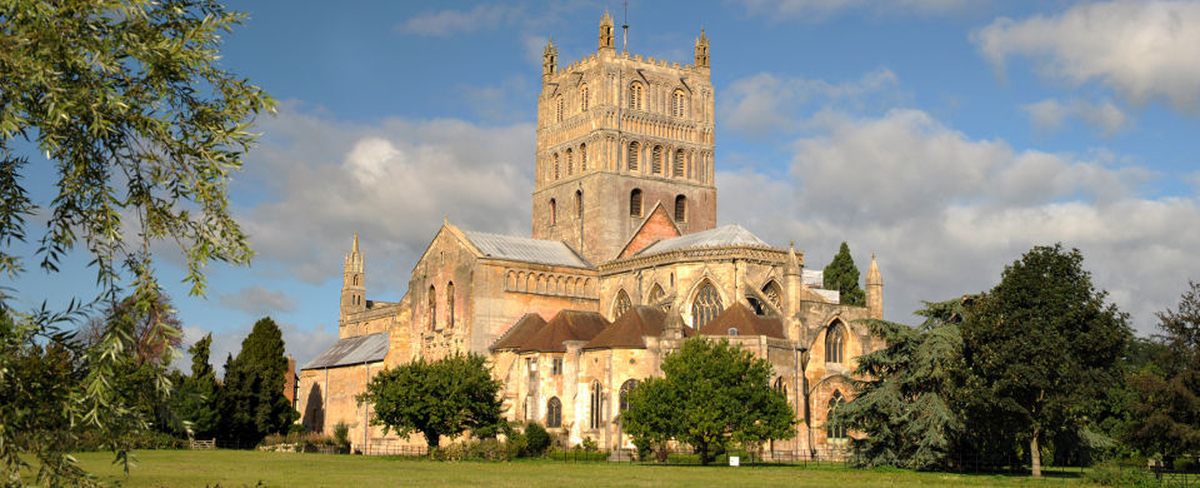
(947, 136)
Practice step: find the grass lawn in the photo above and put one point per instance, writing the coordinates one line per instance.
(247, 468)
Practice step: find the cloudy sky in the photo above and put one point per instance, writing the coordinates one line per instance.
(946, 136)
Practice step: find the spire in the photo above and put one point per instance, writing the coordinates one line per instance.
(792, 267)
(874, 290)
(606, 32)
(549, 61)
(354, 248)
(702, 50)
(873, 276)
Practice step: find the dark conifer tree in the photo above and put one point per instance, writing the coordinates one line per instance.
(842, 275)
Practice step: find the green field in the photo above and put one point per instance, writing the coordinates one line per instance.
(243, 468)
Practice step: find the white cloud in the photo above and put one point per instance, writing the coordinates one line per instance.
(447, 23)
(256, 300)
(762, 104)
(1144, 50)
(1050, 115)
(818, 10)
(945, 212)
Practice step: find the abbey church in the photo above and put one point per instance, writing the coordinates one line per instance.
(625, 262)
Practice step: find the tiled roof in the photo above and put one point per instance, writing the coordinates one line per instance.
(567, 325)
(627, 331)
(525, 249)
(352, 350)
(520, 332)
(727, 235)
(739, 317)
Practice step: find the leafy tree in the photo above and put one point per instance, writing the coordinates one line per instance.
(1043, 346)
(842, 275)
(719, 394)
(253, 402)
(905, 403)
(196, 399)
(126, 102)
(439, 398)
(1165, 413)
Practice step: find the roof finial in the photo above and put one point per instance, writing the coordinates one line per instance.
(625, 30)
(354, 248)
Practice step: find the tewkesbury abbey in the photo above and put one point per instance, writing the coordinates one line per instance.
(625, 261)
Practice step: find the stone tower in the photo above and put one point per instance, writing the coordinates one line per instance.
(874, 291)
(354, 288)
(618, 133)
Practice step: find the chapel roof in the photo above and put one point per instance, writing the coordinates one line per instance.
(739, 317)
(627, 331)
(352, 350)
(726, 235)
(567, 325)
(526, 249)
(517, 335)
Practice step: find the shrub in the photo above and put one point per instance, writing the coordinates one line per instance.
(297, 429)
(590, 445)
(537, 440)
(1111, 473)
(341, 434)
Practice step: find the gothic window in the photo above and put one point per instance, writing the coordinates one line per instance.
(771, 291)
(656, 162)
(450, 304)
(556, 166)
(558, 109)
(706, 306)
(834, 434)
(356, 281)
(579, 204)
(553, 212)
(583, 98)
(635, 96)
(432, 308)
(681, 208)
(554, 413)
(597, 403)
(625, 388)
(622, 304)
(656, 295)
(556, 366)
(781, 386)
(680, 156)
(678, 104)
(583, 157)
(634, 149)
(635, 203)
(835, 343)
(570, 162)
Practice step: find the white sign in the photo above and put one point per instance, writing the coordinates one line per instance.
(735, 461)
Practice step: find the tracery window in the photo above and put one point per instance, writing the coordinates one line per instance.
(771, 291)
(635, 203)
(583, 98)
(680, 156)
(656, 295)
(681, 208)
(597, 403)
(678, 104)
(634, 150)
(635, 95)
(553, 212)
(450, 304)
(554, 413)
(432, 308)
(656, 161)
(625, 388)
(832, 433)
(579, 204)
(622, 304)
(835, 343)
(706, 306)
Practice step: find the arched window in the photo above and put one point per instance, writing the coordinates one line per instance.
(781, 386)
(553, 212)
(558, 109)
(835, 343)
(681, 208)
(570, 162)
(635, 95)
(556, 166)
(432, 308)
(678, 104)
(583, 98)
(597, 404)
(625, 388)
(450, 304)
(621, 305)
(583, 157)
(706, 306)
(356, 280)
(635, 203)
(680, 157)
(834, 434)
(733, 331)
(554, 413)
(656, 295)
(634, 150)
(656, 161)
(771, 291)
(579, 204)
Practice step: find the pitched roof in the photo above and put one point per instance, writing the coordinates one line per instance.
(525, 249)
(352, 350)
(627, 331)
(520, 332)
(739, 317)
(567, 325)
(655, 227)
(726, 235)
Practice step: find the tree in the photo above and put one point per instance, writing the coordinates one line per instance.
(440, 398)
(842, 275)
(1165, 412)
(1044, 345)
(126, 101)
(719, 395)
(253, 402)
(196, 399)
(905, 403)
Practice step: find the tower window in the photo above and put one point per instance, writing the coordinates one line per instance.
(681, 208)
(678, 104)
(680, 156)
(450, 304)
(583, 98)
(432, 308)
(579, 204)
(635, 203)
(656, 165)
(706, 306)
(558, 109)
(570, 162)
(835, 343)
(553, 212)
(583, 157)
(556, 166)
(635, 96)
(634, 150)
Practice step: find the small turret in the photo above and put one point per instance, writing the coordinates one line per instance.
(792, 284)
(607, 40)
(549, 61)
(874, 290)
(702, 50)
(353, 282)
